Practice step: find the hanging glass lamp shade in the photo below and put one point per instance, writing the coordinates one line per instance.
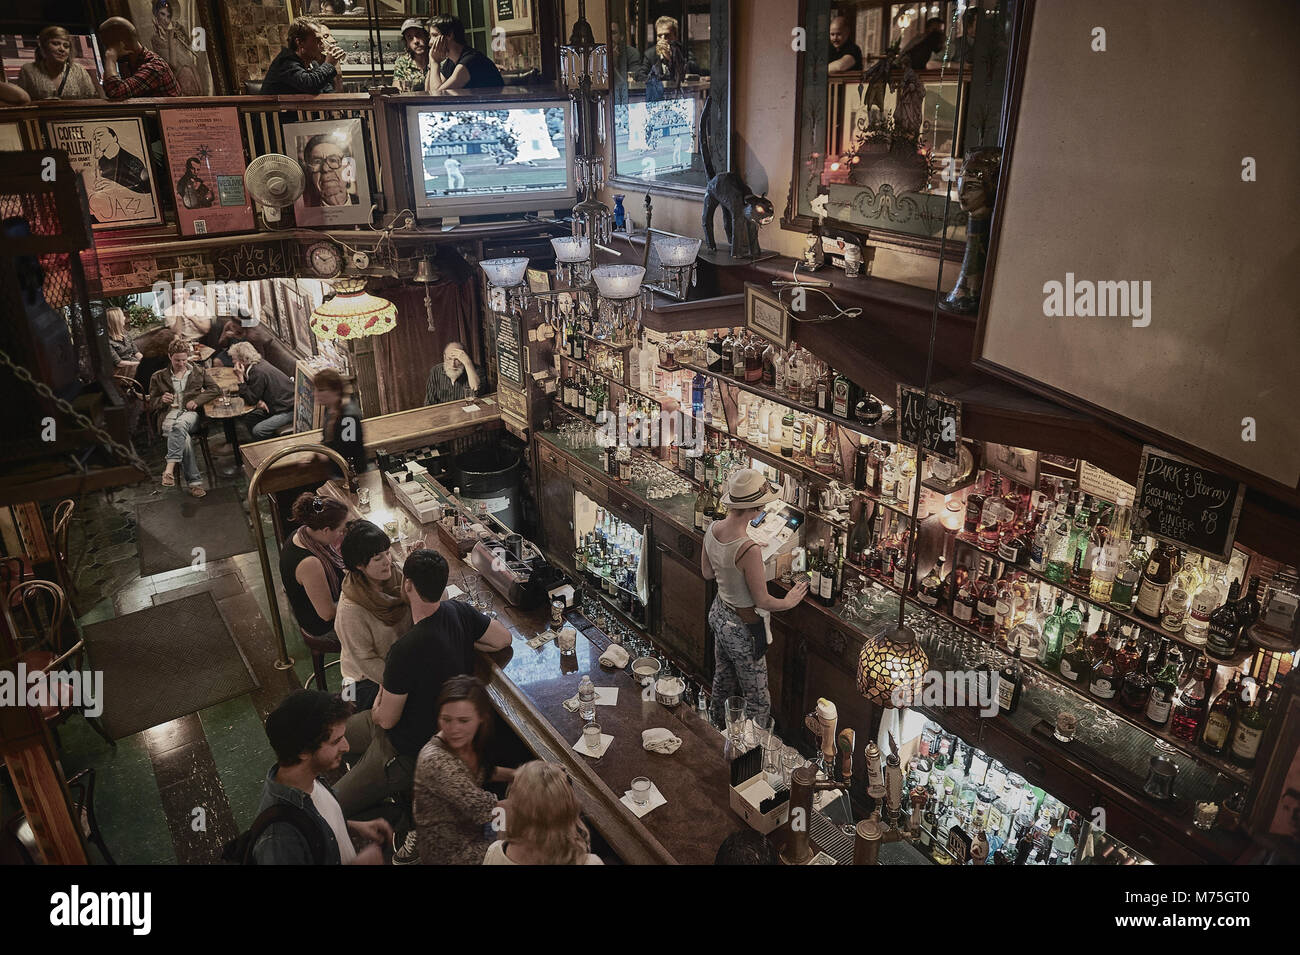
(353, 313)
(891, 668)
(505, 273)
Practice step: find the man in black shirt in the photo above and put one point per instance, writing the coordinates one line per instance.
(926, 45)
(404, 717)
(845, 55)
(460, 66)
(298, 68)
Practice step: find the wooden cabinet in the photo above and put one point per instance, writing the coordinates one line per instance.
(555, 500)
(679, 605)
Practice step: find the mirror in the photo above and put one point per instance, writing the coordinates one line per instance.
(670, 71)
(893, 97)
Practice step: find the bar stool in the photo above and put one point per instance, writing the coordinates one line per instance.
(319, 646)
(200, 437)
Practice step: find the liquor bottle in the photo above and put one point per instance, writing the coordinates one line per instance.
(824, 386)
(824, 447)
(1009, 684)
(1128, 653)
(1049, 653)
(1076, 663)
(1251, 723)
(991, 516)
(860, 464)
(1224, 627)
(1220, 720)
(831, 571)
(1105, 565)
(702, 506)
(726, 364)
(738, 357)
(767, 366)
(1038, 542)
(1089, 546)
(698, 383)
(815, 569)
(1103, 683)
(963, 607)
(932, 585)
(868, 410)
(1135, 688)
(986, 599)
(1248, 609)
(1155, 581)
(1059, 554)
(753, 362)
(877, 458)
(1192, 701)
(1206, 600)
(974, 511)
(1004, 608)
(713, 353)
(842, 398)
(1130, 573)
(579, 343)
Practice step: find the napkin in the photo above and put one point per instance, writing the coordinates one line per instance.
(541, 639)
(656, 800)
(660, 740)
(581, 746)
(615, 657)
(605, 696)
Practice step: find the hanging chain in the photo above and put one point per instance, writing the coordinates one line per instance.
(105, 439)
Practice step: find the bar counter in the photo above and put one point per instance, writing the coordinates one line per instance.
(528, 688)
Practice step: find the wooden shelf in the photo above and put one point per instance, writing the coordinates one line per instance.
(1191, 751)
(1236, 661)
(636, 452)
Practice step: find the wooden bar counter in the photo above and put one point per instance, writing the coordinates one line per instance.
(528, 688)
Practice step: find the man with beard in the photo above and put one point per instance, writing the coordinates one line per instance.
(445, 380)
(324, 161)
(143, 73)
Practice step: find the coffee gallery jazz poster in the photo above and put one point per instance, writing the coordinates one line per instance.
(111, 155)
(205, 166)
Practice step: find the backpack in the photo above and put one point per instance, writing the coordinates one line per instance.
(239, 851)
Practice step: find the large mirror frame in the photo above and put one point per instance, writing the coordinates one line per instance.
(721, 29)
(888, 217)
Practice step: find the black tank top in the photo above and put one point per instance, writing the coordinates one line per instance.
(291, 555)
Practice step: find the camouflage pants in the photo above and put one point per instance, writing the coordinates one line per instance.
(735, 671)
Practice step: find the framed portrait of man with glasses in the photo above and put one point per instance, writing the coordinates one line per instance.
(333, 158)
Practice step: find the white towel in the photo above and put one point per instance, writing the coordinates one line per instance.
(659, 740)
(615, 657)
(766, 617)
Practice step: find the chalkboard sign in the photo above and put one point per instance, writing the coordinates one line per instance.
(1188, 505)
(510, 349)
(933, 423)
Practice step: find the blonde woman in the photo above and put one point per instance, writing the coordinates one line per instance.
(542, 821)
(120, 341)
(55, 74)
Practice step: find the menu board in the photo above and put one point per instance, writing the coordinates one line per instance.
(510, 349)
(1093, 480)
(931, 422)
(1188, 505)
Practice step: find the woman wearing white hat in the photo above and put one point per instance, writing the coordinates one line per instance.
(739, 616)
(411, 68)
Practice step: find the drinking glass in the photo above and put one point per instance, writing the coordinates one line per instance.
(735, 709)
(363, 498)
(641, 791)
(772, 751)
(791, 759)
(567, 641)
(762, 728)
(591, 737)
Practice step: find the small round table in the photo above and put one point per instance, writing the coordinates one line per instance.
(219, 410)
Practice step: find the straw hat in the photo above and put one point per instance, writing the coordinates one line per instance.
(747, 489)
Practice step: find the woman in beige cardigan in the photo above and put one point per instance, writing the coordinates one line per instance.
(372, 613)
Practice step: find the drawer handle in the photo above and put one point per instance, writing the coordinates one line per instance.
(1034, 764)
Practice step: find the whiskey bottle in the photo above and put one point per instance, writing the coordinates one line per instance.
(1206, 600)
(1251, 723)
(1224, 627)
(1155, 582)
(1135, 688)
(1105, 565)
(963, 607)
(1075, 662)
(753, 362)
(1192, 701)
(1010, 682)
(1103, 681)
(931, 592)
(1126, 581)
(1220, 721)
(768, 366)
(1049, 653)
(726, 366)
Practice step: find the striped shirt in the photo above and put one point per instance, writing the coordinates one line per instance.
(441, 388)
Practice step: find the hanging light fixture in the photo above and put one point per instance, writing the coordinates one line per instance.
(891, 668)
(352, 313)
(427, 275)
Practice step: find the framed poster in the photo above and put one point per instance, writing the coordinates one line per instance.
(358, 59)
(1018, 464)
(11, 137)
(333, 157)
(298, 305)
(178, 31)
(205, 159)
(513, 16)
(111, 154)
(765, 315)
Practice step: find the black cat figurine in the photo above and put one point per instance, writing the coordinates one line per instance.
(742, 211)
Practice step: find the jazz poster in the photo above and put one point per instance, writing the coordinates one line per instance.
(332, 153)
(111, 154)
(205, 166)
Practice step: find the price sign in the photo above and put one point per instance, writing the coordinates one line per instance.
(1188, 505)
(932, 422)
(510, 349)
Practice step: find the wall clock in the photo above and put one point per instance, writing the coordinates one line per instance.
(324, 259)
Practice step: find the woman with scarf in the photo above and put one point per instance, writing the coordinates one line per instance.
(372, 612)
(311, 566)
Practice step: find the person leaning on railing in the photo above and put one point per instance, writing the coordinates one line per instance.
(130, 70)
(54, 74)
(309, 64)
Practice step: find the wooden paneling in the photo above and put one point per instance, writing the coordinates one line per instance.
(680, 609)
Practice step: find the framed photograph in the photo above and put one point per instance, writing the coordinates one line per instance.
(539, 280)
(333, 157)
(358, 60)
(335, 13)
(280, 310)
(205, 158)
(11, 137)
(1273, 816)
(167, 27)
(513, 16)
(298, 308)
(766, 316)
(111, 153)
(1018, 464)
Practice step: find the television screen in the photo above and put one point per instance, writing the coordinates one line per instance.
(485, 160)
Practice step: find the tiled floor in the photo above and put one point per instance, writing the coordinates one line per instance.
(175, 792)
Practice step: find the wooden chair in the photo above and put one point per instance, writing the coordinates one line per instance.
(37, 611)
(132, 391)
(59, 525)
(18, 844)
(13, 571)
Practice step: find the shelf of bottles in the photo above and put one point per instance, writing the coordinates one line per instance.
(607, 556)
(977, 812)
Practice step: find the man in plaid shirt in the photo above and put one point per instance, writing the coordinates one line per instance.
(143, 74)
